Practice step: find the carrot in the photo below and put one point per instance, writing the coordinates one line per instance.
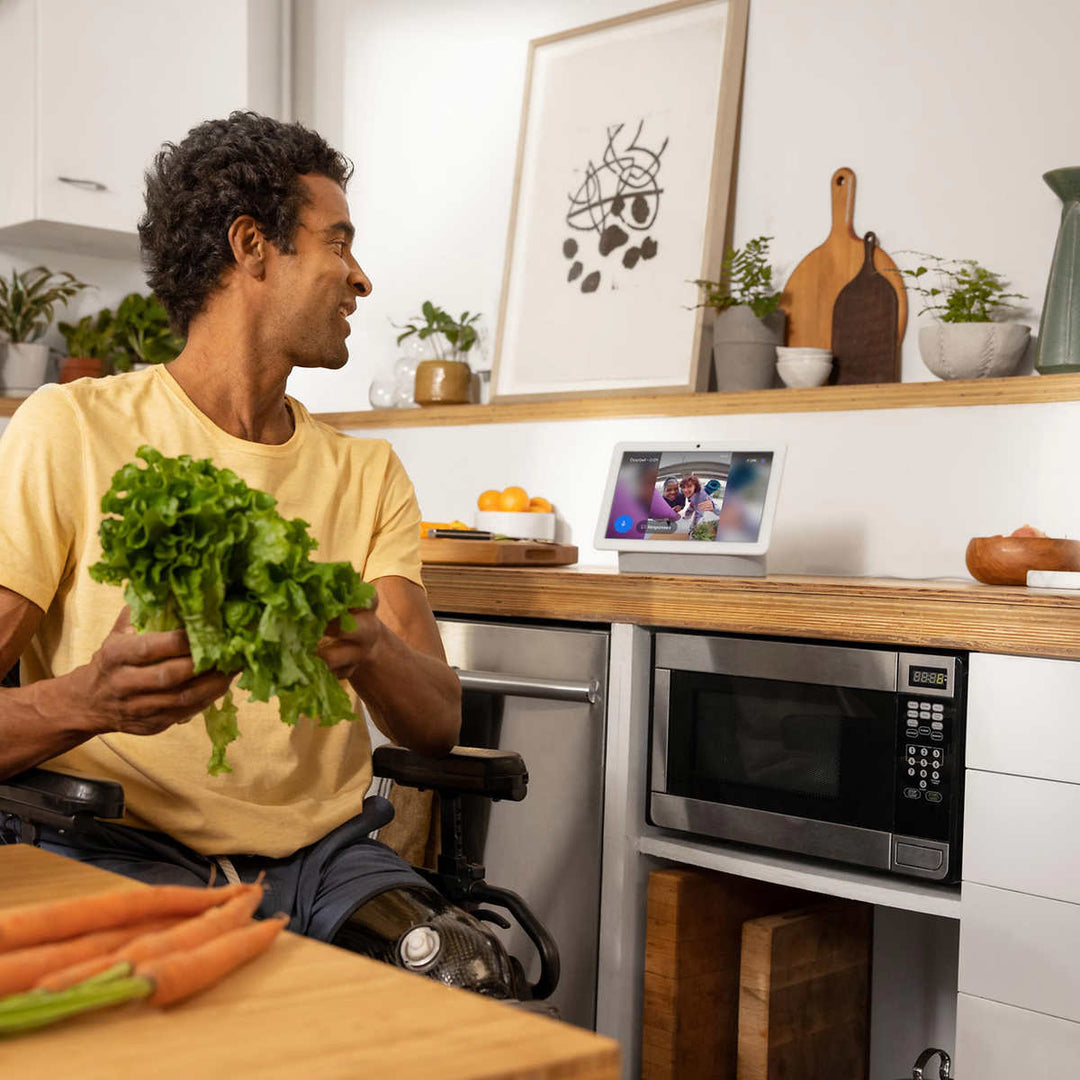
(179, 975)
(21, 969)
(179, 936)
(57, 920)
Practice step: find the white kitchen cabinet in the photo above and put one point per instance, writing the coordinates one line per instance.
(1022, 834)
(1000, 1042)
(93, 90)
(1023, 715)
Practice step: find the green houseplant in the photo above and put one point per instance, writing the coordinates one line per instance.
(748, 322)
(142, 334)
(447, 379)
(970, 337)
(90, 346)
(28, 301)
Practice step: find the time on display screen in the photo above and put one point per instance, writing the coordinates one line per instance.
(938, 678)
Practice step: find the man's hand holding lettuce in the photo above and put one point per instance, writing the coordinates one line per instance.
(201, 550)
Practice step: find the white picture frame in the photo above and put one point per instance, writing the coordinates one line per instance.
(621, 199)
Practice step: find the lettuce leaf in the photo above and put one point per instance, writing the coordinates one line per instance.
(195, 547)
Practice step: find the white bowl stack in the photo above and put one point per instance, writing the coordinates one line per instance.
(803, 366)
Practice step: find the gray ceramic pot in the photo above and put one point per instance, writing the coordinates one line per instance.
(744, 348)
(973, 350)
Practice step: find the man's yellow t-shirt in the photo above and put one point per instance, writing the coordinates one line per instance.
(289, 785)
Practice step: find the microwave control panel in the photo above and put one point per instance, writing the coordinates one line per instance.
(928, 764)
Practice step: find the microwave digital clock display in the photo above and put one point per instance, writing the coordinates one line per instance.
(937, 678)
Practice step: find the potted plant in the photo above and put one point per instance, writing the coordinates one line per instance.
(142, 333)
(90, 346)
(969, 339)
(27, 303)
(748, 324)
(446, 379)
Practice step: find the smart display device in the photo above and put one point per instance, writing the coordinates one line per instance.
(691, 507)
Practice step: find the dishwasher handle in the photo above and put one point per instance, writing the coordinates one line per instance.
(493, 682)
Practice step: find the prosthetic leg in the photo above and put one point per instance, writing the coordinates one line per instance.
(417, 930)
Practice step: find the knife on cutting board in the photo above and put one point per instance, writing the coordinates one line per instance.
(812, 289)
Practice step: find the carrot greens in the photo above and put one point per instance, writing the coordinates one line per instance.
(199, 549)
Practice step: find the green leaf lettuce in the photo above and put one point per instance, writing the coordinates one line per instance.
(201, 550)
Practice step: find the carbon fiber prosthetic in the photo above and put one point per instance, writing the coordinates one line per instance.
(419, 931)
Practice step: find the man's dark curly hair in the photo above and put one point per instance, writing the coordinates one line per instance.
(247, 164)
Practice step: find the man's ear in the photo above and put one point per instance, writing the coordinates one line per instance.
(249, 246)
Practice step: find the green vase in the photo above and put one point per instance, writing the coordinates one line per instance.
(1059, 331)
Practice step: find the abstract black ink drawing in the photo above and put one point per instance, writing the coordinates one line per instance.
(618, 197)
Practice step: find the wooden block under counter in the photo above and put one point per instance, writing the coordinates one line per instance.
(693, 938)
(804, 994)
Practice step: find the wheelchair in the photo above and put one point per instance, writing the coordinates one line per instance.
(443, 939)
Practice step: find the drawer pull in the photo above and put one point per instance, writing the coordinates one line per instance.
(493, 682)
(89, 185)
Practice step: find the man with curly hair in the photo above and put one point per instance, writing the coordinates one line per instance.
(247, 241)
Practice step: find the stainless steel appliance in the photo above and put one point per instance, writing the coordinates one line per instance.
(839, 752)
(541, 691)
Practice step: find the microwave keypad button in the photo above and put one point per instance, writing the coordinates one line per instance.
(922, 783)
(933, 796)
(937, 725)
(924, 729)
(911, 761)
(919, 857)
(911, 772)
(912, 721)
(937, 736)
(938, 707)
(922, 772)
(911, 793)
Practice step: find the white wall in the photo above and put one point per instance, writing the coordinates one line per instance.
(948, 113)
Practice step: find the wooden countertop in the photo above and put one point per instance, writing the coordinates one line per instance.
(304, 1009)
(941, 614)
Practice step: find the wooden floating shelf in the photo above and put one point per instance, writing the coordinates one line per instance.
(1018, 390)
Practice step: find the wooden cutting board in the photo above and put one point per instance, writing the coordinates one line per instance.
(496, 552)
(804, 994)
(693, 934)
(864, 326)
(814, 285)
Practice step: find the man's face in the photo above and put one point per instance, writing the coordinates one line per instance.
(314, 290)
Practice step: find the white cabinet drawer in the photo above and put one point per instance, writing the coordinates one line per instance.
(1000, 1042)
(1020, 950)
(1024, 716)
(1022, 834)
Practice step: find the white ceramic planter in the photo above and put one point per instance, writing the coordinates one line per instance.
(23, 368)
(973, 350)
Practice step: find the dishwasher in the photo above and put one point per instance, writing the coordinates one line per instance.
(540, 690)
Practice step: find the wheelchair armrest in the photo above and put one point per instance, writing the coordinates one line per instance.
(41, 797)
(466, 770)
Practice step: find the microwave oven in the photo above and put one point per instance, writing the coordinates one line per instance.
(848, 753)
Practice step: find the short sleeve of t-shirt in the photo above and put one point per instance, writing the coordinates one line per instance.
(395, 545)
(41, 482)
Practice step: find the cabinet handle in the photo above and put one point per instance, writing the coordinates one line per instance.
(90, 185)
(493, 682)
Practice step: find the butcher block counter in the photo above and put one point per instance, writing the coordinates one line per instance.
(943, 614)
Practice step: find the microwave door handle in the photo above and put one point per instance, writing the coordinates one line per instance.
(493, 682)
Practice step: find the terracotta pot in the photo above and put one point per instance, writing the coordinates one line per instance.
(81, 367)
(442, 382)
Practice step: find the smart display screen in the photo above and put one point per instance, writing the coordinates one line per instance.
(698, 496)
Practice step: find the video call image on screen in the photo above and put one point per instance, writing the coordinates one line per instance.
(696, 495)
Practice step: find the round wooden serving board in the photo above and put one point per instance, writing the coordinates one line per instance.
(811, 291)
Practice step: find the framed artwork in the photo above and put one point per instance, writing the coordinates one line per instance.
(621, 199)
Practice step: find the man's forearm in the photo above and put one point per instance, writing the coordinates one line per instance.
(417, 696)
(35, 726)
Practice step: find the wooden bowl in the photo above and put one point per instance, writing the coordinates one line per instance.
(1005, 560)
